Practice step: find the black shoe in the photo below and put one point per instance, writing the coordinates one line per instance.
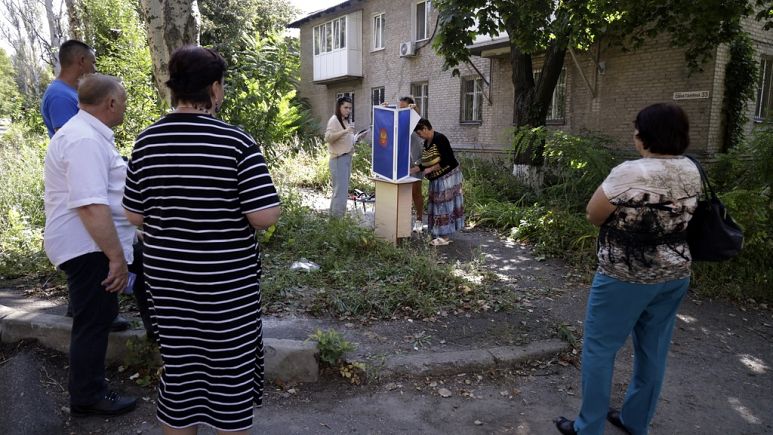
(613, 416)
(119, 324)
(111, 404)
(565, 426)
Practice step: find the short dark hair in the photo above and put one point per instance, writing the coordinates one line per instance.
(663, 129)
(192, 70)
(408, 100)
(422, 124)
(70, 50)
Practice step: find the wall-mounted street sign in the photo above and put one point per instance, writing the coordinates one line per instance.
(691, 95)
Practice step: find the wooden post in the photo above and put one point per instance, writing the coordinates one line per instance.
(393, 208)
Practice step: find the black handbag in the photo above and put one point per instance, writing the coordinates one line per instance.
(712, 234)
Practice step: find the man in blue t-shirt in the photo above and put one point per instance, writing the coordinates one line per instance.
(60, 102)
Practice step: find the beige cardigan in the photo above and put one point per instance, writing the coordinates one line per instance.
(339, 140)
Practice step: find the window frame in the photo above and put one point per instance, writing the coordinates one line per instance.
(763, 100)
(477, 101)
(426, 22)
(379, 31)
(376, 101)
(421, 98)
(329, 36)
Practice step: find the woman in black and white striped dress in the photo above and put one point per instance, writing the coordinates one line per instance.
(198, 186)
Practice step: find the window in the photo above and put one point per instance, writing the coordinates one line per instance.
(420, 92)
(316, 40)
(376, 98)
(472, 100)
(422, 20)
(351, 97)
(330, 36)
(764, 94)
(378, 32)
(557, 107)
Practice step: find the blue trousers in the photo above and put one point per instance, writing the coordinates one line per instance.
(615, 310)
(340, 171)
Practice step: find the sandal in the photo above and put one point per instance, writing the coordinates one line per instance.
(565, 426)
(613, 416)
(439, 241)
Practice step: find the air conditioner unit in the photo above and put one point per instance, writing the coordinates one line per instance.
(407, 49)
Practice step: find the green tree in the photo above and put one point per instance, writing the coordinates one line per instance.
(551, 28)
(261, 89)
(225, 22)
(10, 102)
(114, 29)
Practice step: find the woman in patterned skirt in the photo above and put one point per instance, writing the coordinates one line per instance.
(445, 207)
(200, 187)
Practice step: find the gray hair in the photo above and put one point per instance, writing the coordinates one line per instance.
(93, 89)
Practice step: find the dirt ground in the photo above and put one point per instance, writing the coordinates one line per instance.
(718, 381)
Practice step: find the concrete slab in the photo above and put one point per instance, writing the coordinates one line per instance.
(436, 363)
(507, 356)
(291, 360)
(286, 360)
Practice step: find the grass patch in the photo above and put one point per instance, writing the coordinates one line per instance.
(362, 276)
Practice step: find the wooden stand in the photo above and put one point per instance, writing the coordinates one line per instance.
(393, 208)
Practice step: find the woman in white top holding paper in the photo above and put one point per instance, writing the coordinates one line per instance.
(339, 136)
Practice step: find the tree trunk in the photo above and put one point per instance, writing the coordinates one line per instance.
(171, 24)
(532, 100)
(75, 28)
(55, 31)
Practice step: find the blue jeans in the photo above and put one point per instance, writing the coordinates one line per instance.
(340, 171)
(617, 309)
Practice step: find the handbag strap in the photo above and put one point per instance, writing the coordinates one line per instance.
(707, 189)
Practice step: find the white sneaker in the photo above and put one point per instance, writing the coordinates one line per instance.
(439, 241)
(418, 227)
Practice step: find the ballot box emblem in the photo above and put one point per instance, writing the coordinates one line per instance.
(383, 137)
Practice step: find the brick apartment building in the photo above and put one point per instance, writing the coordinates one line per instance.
(380, 50)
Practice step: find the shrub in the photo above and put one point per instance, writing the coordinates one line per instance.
(745, 177)
(299, 164)
(22, 217)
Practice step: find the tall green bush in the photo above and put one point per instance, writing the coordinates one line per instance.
(22, 217)
(261, 94)
(744, 177)
(10, 103)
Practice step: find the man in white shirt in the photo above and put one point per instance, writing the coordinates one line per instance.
(88, 236)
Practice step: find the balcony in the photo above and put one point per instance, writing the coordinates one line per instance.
(337, 49)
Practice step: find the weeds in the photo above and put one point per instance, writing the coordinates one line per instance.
(332, 346)
(306, 165)
(359, 274)
(143, 361)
